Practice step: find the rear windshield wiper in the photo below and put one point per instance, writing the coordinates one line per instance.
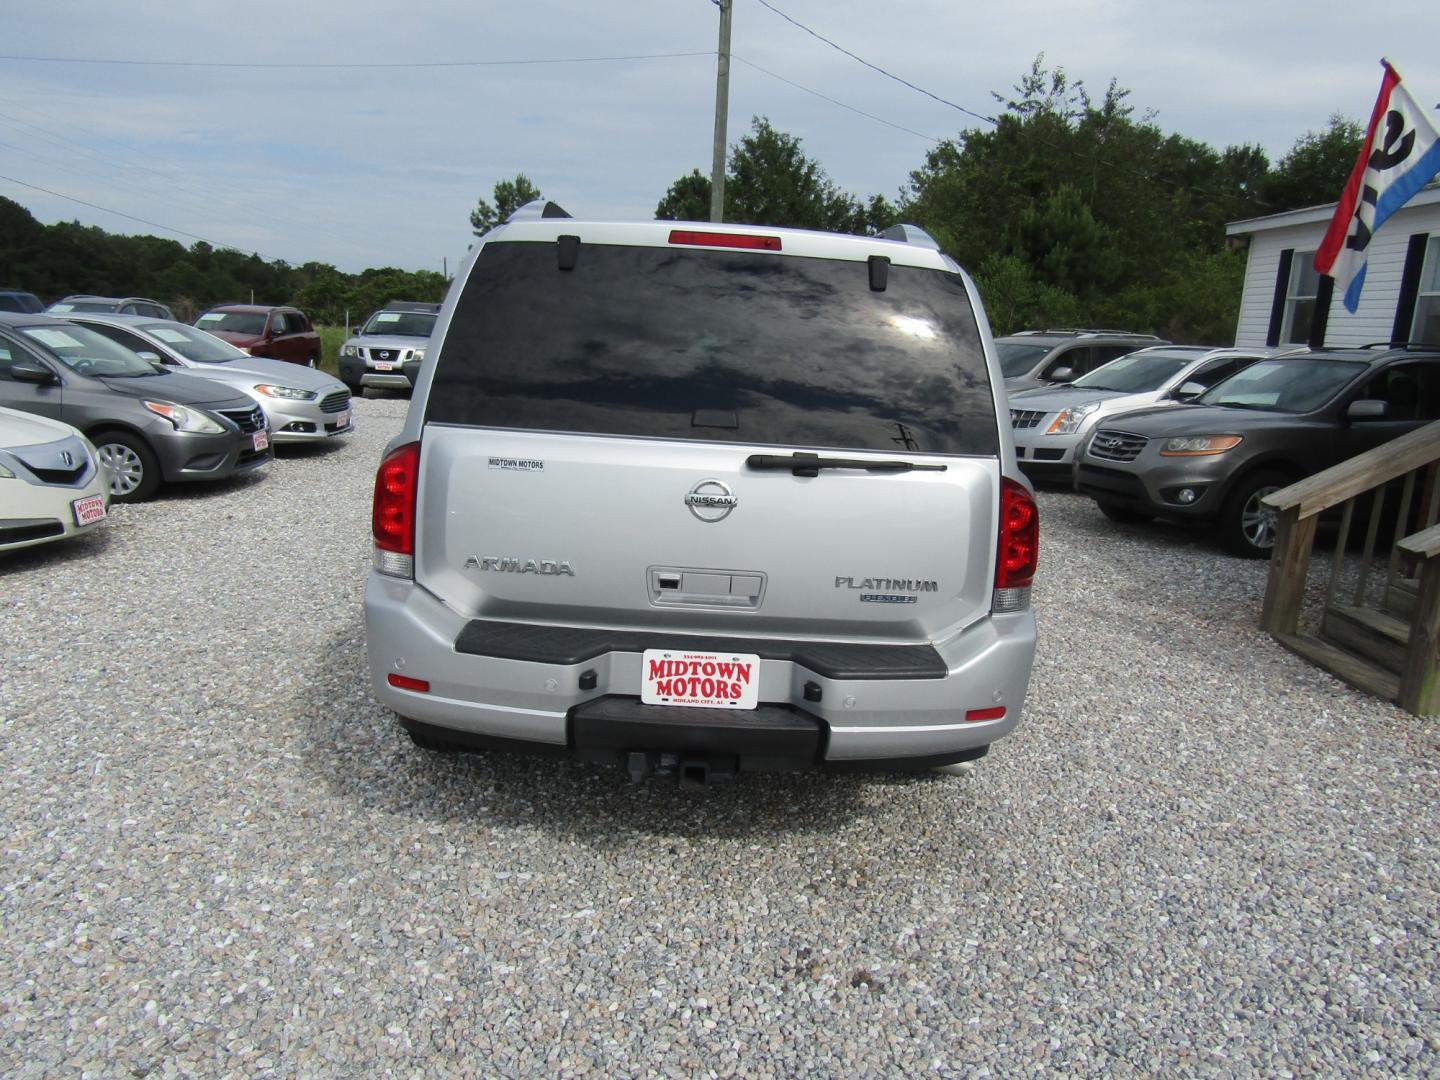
(801, 464)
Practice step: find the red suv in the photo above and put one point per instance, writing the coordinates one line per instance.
(283, 333)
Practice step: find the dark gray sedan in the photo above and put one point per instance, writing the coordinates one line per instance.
(148, 426)
(1211, 463)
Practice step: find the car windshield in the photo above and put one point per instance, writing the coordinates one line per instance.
(1135, 373)
(85, 352)
(232, 322)
(1297, 385)
(400, 323)
(194, 344)
(1017, 358)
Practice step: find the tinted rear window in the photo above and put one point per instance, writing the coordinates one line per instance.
(730, 346)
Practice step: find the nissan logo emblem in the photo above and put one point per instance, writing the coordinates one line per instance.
(710, 500)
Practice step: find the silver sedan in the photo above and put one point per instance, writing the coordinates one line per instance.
(300, 404)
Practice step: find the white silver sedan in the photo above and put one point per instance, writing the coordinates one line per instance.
(301, 404)
(52, 484)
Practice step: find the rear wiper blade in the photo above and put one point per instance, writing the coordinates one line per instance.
(801, 464)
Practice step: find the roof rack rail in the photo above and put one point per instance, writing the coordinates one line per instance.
(909, 234)
(1404, 345)
(1097, 330)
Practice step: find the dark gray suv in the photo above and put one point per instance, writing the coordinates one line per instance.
(1212, 462)
(148, 426)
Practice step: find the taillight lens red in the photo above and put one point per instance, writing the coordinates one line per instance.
(393, 516)
(720, 239)
(1019, 549)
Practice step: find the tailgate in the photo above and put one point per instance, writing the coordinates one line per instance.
(588, 531)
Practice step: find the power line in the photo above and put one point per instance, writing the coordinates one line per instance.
(873, 67)
(833, 101)
(129, 217)
(351, 64)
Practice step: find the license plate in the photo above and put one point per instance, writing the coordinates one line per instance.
(261, 440)
(342, 420)
(384, 365)
(700, 680)
(88, 510)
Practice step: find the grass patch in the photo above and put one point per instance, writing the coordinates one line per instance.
(331, 338)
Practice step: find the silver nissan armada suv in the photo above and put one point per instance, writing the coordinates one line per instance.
(699, 499)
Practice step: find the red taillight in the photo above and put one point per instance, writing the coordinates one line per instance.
(393, 517)
(720, 239)
(995, 712)
(1019, 548)
(405, 682)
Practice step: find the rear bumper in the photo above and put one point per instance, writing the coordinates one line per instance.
(860, 714)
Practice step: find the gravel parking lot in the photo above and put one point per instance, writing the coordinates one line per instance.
(1198, 854)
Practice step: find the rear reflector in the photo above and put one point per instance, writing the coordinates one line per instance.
(731, 240)
(420, 686)
(995, 712)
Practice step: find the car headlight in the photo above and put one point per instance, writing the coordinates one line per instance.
(184, 419)
(350, 350)
(289, 393)
(1068, 421)
(1199, 445)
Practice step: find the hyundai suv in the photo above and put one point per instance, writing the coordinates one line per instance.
(701, 499)
(1211, 463)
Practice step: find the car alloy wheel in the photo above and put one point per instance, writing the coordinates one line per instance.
(1258, 521)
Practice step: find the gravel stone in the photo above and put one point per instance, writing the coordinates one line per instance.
(1197, 856)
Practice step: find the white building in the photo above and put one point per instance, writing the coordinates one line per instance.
(1285, 300)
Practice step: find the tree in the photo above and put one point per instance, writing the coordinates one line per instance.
(510, 195)
(770, 181)
(687, 200)
(1315, 170)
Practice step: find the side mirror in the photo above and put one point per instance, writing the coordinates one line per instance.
(33, 373)
(1367, 409)
(1062, 375)
(152, 357)
(1187, 391)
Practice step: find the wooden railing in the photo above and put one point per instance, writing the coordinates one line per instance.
(1368, 481)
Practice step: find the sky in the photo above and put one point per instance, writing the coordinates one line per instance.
(362, 134)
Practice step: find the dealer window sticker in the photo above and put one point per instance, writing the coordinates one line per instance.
(174, 337)
(517, 464)
(56, 339)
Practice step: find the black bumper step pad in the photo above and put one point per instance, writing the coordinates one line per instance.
(770, 738)
(574, 645)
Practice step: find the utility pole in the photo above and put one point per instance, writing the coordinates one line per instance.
(722, 108)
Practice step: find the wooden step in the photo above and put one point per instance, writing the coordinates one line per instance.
(1357, 671)
(1400, 597)
(1375, 635)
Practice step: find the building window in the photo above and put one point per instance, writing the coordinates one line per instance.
(1300, 297)
(1427, 300)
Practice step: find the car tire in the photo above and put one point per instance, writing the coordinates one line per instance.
(1123, 515)
(134, 468)
(1246, 528)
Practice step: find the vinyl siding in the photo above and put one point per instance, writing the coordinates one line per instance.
(1376, 315)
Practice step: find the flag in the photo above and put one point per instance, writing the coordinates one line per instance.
(1400, 156)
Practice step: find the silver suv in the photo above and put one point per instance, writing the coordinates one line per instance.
(1034, 358)
(702, 499)
(387, 351)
